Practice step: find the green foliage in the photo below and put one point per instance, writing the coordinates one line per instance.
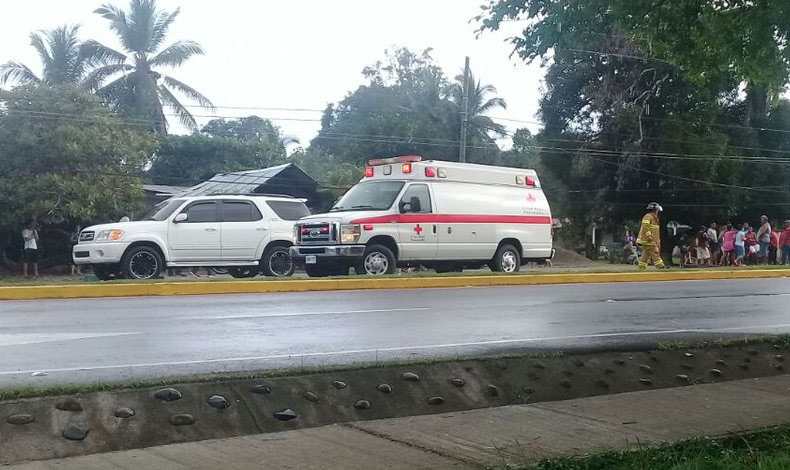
(65, 158)
(333, 174)
(188, 160)
(63, 59)
(408, 107)
(132, 82)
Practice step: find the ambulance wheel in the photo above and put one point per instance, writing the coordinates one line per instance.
(506, 260)
(378, 260)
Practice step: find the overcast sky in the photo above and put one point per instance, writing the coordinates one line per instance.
(298, 53)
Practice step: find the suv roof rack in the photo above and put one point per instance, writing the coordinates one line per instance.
(287, 196)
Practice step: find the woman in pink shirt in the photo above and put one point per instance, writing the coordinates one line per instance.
(728, 246)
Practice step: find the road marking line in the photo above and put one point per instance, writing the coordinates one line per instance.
(36, 338)
(299, 314)
(394, 349)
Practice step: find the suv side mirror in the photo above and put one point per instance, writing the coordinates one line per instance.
(182, 217)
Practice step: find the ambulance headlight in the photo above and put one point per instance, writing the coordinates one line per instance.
(349, 233)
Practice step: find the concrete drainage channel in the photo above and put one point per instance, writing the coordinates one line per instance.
(53, 427)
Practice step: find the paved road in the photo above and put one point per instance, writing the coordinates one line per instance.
(112, 339)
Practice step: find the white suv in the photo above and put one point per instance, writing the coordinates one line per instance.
(247, 234)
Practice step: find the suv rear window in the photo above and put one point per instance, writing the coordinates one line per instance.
(289, 210)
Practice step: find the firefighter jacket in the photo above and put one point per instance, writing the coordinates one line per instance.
(649, 231)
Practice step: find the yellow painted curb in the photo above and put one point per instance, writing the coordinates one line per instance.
(304, 285)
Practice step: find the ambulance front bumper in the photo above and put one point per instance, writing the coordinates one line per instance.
(312, 254)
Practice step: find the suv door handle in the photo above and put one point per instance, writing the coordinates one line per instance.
(210, 229)
(262, 229)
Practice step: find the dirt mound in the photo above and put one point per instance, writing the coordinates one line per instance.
(567, 258)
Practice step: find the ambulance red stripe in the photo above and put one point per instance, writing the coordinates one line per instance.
(455, 218)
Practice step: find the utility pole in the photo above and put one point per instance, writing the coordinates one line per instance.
(464, 113)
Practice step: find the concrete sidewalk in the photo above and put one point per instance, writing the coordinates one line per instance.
(475, 439)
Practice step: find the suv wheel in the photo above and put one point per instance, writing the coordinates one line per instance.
(377, 261)
(506, 260)
(277, 262)
(243, 272)
(142, 262)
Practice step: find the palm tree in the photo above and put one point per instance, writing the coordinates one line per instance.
(135, 87)
(479, 104)
(62, 56)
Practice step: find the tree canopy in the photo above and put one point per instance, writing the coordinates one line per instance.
(65, 158)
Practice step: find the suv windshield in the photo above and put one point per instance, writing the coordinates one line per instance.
(376, 195)
(163, 210)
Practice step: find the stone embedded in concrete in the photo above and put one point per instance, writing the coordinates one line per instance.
(182, 419)
(779, 367)
(218, 401)
(618, 361)
(69, 404)
(124, 413)
(285, 415)
(566, 383)
(715, 372)
(410, 377)
(687, 366)
(578, 363)
(608, 371)
(76, 432)
(753, 352)
(539, 365)
(721, 362)
(601, 383)
(654, 358)
(384, 388)
(457, 382)
(528, 390)
(688, 354)
(779, 358)
(646, 381)
(167, 394)
(339, 384)
(682, 378)
(310, 396)
(261, 389)
(435, 401)
(646, 368)
(492, 391)
(363, 405)
(20, 419)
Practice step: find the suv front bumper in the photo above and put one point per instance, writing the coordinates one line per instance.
(327, 252)
(98, 253)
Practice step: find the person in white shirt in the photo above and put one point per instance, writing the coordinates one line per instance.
(30, 236)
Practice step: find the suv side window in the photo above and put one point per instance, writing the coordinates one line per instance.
(414, 193)
(240, 211)
(202, 212)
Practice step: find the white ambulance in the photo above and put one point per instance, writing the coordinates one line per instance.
(441, 215)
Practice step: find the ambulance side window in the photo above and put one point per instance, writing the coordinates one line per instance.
(416, 199)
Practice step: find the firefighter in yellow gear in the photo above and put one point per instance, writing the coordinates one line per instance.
(649, 238)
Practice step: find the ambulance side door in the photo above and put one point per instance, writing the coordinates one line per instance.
(416, 230)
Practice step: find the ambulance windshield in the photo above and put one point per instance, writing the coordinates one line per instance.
(375, 195)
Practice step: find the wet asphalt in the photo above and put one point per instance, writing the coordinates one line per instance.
(81, 341)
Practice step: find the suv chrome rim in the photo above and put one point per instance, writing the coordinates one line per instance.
(509, 262)
(143, 265)
(376, 263)
(280, 263)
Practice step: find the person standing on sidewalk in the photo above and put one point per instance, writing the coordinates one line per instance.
(650, 238)
(713, 244)
(740, 245)
(30, 237)
(764, 238)
(774, 252)
(784, 243)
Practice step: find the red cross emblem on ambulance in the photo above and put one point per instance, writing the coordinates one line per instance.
(530, 197)
(418, 229)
